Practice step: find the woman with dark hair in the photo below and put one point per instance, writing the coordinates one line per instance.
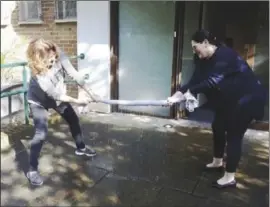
(235, 94)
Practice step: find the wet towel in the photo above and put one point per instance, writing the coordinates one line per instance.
(190, 102)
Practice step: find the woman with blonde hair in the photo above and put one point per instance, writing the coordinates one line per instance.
(47, 90)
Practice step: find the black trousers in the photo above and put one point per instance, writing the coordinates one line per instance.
(40, 117)
(230, 127)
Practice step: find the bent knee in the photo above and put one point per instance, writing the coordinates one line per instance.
(39, 136)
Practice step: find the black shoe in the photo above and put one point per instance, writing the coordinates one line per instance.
(89, 152)
(34, 178)
(227, 185)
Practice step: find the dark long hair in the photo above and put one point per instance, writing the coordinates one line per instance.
(201, 35)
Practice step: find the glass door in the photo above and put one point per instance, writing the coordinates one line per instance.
(146, 38)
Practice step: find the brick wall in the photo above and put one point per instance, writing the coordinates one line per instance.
(62, 33)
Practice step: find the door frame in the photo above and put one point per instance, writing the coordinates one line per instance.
(176, 60)
(114, 47)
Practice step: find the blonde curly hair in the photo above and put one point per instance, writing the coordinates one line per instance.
(41, 55)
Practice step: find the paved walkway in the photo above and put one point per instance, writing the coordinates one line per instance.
(139, 163)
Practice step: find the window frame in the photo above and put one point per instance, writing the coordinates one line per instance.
(23, 9)
(57, 19)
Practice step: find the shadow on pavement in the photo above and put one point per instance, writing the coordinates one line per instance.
(139, 163)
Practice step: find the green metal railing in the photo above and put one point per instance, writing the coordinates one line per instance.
(24, 87)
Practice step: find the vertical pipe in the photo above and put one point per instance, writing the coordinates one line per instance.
(26, 111)
(9, 105)
(114, 47)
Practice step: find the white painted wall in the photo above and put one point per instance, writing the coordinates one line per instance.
(93, 37)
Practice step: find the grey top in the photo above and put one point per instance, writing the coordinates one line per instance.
(46, 89)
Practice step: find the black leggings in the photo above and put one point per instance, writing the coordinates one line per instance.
(230, 128)
(40, 116)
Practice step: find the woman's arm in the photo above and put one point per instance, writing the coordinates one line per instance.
(68, 67)
(74, 74)
(220, 72)
(46, 85)
(225, 63)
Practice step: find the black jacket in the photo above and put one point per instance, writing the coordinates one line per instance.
(227, 81)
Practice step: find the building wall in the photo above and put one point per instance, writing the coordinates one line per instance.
(62, 33)
(93, 40)
(93, 31)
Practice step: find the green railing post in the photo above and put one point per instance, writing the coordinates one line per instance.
(26, 110)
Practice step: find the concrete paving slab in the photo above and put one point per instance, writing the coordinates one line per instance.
(139, 160)
(252, 177)
(171, 198)
(119, 191)
(137, 156)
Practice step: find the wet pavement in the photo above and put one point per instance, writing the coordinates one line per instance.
(139, 163)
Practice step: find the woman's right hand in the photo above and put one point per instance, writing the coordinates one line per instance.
(176, 98)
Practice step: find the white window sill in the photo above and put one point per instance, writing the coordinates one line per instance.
(30, 22)
(65, 20)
